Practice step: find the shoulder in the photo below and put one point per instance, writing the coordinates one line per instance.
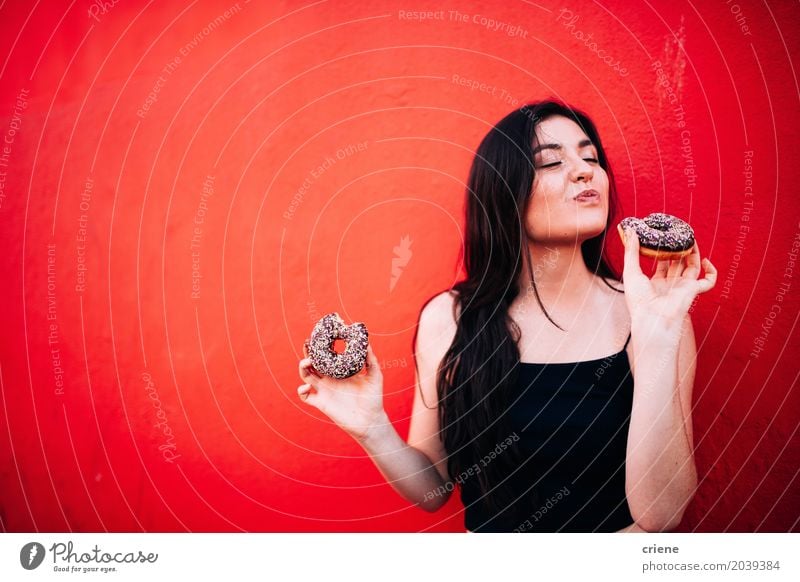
(437, 323)
(440, 311)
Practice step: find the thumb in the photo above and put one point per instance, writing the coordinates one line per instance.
(631, 241)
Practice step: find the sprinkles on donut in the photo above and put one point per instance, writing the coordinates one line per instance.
(661, 236)
(320, 347)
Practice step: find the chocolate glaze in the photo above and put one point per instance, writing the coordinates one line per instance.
(320, 347)
(661, 232)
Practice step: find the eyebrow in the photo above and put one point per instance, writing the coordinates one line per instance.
(554, 146)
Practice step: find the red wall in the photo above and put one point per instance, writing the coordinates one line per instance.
(131, 404)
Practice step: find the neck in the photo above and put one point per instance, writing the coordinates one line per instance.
(559, 271)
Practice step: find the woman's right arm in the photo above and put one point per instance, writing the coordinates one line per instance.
(417, 470)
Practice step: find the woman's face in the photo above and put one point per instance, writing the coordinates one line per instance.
(566, 165)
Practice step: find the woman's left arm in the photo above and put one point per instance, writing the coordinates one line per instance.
(660, 471)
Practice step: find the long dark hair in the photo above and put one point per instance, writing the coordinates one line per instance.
(479, 371)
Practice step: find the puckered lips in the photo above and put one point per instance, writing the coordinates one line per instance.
(588, 194)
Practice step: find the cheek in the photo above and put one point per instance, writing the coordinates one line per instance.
(602, 177)
(547, 190)
(550, 194)
(546, 208)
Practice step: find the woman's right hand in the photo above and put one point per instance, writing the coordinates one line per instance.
(355, 404)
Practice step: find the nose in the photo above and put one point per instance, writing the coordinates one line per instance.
(582, 170)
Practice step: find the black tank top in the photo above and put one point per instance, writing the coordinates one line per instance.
(572, 422)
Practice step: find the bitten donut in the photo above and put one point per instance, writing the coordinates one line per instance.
(661, 236)
(320, 347)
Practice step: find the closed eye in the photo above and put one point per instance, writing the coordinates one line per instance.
(554, 164)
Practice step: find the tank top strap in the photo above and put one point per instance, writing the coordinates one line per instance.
(626, 342)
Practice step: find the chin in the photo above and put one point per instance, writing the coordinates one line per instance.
(590, 232)
(580, 236)
(569, 231)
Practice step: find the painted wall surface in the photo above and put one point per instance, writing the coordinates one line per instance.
(185, 187)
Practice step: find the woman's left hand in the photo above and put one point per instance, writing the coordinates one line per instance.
(664, 299)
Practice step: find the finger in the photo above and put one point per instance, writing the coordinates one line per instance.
(303, 391)
(310, 396)
(307, 372)
(305, 349)
(632, 252)
(661, 269)
(675, 268)
(693, 263)
(707, 283)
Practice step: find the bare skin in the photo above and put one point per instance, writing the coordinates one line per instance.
(660, 470)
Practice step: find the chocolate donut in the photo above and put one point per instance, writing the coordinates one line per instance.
(320, 347)
(661, 236)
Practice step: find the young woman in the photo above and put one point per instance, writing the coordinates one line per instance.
(550, 395)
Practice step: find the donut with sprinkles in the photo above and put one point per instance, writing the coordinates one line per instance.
(661, 236)
(320, 347)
